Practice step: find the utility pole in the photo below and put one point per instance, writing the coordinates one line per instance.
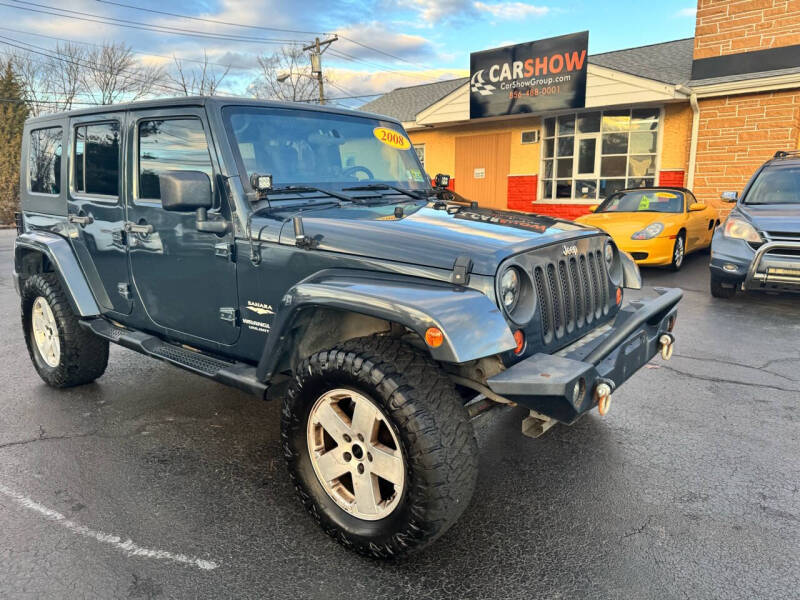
(317, 48)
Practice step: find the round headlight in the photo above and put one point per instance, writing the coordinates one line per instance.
(509, 288)
(609, 253)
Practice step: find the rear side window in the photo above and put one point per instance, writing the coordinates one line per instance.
(170, 145)
(97, 159)
(44, 161)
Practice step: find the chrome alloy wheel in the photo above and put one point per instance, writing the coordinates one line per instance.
(679, 252)
(45, 332)
(355, 454)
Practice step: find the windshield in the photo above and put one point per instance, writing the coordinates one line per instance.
(776, 185)
(302, 147)
(662, 201)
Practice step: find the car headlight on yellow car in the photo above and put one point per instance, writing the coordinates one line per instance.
(649, 232)
(739, 229)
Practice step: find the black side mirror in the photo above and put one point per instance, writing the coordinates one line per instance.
(185, 191)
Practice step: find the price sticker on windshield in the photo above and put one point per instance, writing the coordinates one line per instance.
(392, 138)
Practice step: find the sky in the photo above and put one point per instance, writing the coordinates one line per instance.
(383, 44)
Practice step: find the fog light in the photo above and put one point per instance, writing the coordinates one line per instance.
(730, 268)
(519, 338)
(434, 337)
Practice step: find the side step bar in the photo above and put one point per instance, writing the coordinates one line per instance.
(236, 374)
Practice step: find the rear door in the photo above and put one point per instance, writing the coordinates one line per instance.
(95, 212)
(185, 278)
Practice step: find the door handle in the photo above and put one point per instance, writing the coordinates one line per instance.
(134, 228)
(80, 220)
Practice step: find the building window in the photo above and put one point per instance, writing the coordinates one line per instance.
(96, 169)
(44, 161)
(587, 156)
(420, 150)
(171, 145)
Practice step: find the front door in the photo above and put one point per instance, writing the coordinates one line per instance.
(95, 212)
(185, 278)
(482, 167)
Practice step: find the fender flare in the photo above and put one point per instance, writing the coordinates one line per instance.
(631, 276)
(60, 255)
(472, 324)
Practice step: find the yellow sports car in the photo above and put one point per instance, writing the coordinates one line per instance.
(658, 226)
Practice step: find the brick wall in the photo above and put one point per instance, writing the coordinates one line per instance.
(522, 192)
(733, 26)
(738, 133)
(563, 211)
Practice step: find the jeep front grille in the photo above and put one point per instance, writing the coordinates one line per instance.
(571, 292)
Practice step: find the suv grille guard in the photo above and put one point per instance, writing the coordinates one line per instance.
(788, 276)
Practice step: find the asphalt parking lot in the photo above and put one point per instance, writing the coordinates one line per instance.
(156, 483)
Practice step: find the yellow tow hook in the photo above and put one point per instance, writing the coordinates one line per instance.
(602, 394)
(667, 343)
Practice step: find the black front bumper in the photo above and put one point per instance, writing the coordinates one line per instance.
(561, 386)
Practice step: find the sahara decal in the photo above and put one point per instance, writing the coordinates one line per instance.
(392, 138)
(260, 308)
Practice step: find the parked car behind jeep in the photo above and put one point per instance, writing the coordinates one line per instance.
(758, 245)
(256, 243)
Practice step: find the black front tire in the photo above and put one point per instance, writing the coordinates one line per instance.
(678, 252)
(426, 415)
(718, 290)
(83, 356)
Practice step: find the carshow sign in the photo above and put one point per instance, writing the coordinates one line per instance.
(533, 77)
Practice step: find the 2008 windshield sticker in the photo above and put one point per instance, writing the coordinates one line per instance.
(392, 138)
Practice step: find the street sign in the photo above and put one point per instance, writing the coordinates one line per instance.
(533, 77)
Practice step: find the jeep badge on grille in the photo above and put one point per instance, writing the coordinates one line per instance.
(570, 250)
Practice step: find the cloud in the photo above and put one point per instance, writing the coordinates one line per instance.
(512, 10)
(349, 82)
(687, 12)
(375, 35)
(457, 10)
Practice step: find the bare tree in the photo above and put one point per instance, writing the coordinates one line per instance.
(299, 86)
(198, 81)
(112, 75)
(52, 83)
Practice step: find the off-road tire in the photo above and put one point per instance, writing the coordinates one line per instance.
(83, 356)
(426, 415)
(676, 264)
(718, 291)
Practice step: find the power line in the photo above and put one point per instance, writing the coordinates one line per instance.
(205, 20)
(69, 41)
(141, 26)
(93, 18)
(260, 27)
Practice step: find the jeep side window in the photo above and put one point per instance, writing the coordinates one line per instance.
(44, 161)
(170, 145)
(97, 159)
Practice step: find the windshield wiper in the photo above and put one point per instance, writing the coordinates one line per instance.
(418, 194)
(305, 189)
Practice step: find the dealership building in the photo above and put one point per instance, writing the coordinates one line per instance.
(529, 131)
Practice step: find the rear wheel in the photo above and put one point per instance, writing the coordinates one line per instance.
(63, 353)
(720, 289)
(378, 445)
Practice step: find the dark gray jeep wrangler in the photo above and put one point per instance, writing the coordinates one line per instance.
(257, 243)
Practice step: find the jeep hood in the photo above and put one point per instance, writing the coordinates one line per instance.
(773, 217)
(429, 236)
